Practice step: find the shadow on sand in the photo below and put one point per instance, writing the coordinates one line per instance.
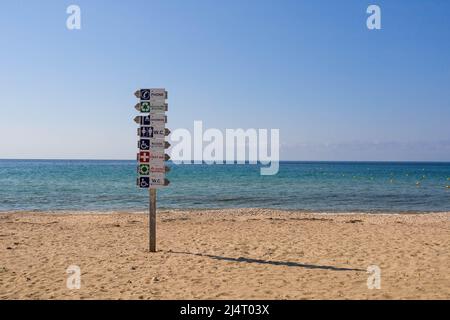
(274, 263)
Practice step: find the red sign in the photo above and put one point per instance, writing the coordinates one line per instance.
(157, 155)
(144, 156)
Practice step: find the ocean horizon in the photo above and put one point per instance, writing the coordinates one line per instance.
(320, 186)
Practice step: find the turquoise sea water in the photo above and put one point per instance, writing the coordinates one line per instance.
(318, 186)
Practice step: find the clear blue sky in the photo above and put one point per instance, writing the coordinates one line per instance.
(336, 90)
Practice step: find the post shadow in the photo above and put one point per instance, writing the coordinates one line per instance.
(271, 262)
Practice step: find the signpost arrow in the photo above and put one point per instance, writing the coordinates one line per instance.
(158, 132)
(160, 169)
(158, 182)
(159, 144)
(151, 106)
(155, 94)
(150, 120)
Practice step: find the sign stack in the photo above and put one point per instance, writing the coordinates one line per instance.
(151, 157)
(152, 132)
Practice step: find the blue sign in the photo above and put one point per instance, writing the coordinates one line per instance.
(145, 120)
(145, 94)
(144, 144)
(144, 182)
(146, 132)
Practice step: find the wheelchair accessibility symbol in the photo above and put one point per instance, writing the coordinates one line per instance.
(144, 182)
(144, 144)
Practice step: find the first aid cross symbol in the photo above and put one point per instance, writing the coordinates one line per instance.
(144, 156)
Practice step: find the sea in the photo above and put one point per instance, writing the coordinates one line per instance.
(105, 185)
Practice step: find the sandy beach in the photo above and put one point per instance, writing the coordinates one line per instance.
(225, 254)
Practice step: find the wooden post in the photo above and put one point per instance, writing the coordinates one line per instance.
(152, 220)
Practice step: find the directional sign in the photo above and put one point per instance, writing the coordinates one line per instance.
(151, 158)
(143, 169)
(159, 144)
(151, 94)
(151, 168)
(144, 106)
(157, 119)
(152, 106)
(156, 163)
(148, 156)
(143, 157)
(159, 169)
(143, 182)
(145, 132)
(156, 132)
(144, 144)
(159, 132)
(157, 155)
(150, 120)
(158, 183)
(142, 120)
(153, 132)
(158, 180)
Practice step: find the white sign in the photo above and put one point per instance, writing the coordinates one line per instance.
(151, 120)
(159, 144)
(152, 106)
(157, 156)
(159, 169)
(156, 163)
(157, 95)
(158, 159)
(158, 132)
(157, 119)
(158, 180)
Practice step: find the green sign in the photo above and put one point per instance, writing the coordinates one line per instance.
(145, 106)
(144, 169)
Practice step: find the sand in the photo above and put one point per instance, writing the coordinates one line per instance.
(225, 254)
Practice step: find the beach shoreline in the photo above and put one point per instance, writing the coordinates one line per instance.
(225, 254)
(164, 210)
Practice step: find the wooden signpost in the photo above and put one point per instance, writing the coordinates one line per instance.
(151, 168)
